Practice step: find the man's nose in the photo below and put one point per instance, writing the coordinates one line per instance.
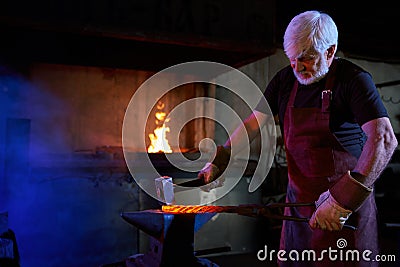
(298, 65)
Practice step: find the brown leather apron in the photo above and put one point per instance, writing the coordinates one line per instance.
(315, 160)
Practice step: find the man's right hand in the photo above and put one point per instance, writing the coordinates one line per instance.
(212, 170)
(209, 173)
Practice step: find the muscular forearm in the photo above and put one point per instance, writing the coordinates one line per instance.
(245, 133)
(378, 149)
(241, 137)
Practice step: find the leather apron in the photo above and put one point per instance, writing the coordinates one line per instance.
(316, 160)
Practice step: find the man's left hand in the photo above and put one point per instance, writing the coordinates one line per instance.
(329, 215)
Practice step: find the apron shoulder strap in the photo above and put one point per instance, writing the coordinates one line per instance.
(327, 93)
(330, 79)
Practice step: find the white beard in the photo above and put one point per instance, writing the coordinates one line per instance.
(323, 69)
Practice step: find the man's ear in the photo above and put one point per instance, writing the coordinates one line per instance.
(331, 51)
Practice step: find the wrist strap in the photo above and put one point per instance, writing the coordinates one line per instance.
(350, 193)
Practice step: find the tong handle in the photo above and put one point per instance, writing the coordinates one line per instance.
(288, 204)
(264, 211)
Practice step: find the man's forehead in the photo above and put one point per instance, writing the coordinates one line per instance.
(304, 52)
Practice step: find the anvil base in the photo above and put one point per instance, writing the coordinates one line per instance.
(171, 238)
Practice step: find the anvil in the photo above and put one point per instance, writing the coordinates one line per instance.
(171, 238)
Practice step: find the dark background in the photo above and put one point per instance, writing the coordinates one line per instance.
(110, 33)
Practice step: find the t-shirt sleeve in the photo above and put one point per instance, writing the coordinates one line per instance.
(365, 101)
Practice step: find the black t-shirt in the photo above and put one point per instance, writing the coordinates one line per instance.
(355, 101)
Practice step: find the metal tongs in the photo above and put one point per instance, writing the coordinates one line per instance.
(271, 210)
(268, 211)
(165, 189)
(251, 210)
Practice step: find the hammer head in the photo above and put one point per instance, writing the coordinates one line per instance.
(165, 189)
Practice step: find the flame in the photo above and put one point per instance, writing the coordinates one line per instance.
(158, 139)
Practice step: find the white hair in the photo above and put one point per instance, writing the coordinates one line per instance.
(310, 31)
